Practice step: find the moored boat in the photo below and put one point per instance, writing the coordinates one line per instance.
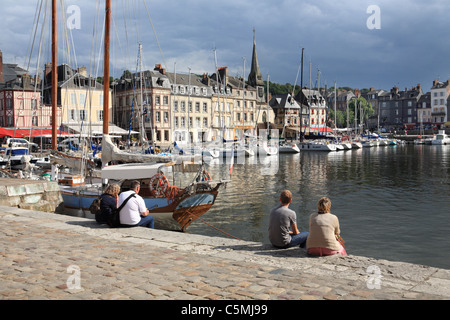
(356, 144)
(441, 138)
(288, 148)
(173, 207)
(317, 146)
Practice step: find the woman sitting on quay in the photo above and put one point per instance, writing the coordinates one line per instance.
(108, 203)
(324, 231)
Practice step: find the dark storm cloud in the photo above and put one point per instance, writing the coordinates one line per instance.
(410, 47)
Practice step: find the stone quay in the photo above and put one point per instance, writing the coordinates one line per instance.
(47, 256)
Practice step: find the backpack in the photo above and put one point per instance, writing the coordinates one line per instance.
(95, 206)
(114, 217)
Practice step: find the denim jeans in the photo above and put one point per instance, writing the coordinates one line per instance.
(298, 239)
(147, 221)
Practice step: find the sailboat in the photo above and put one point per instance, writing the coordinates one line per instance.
(420, 139)
(173, 207)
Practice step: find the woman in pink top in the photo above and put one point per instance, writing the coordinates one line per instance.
(324, 231)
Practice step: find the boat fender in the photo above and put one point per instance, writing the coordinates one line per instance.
(172, 192)
(205, 176)
(158, 184)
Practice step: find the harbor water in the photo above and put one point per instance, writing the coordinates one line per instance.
(392, 202)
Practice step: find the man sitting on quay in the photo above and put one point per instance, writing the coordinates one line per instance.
(283, 230)
(135, 213)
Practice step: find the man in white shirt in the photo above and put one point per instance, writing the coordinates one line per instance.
(134, 213)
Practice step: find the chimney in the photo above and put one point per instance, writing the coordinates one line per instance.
(206, 79)
(223, 73)
(26, 81)
(160, 69)
(48, 68)
(82, 71)
(1, 67)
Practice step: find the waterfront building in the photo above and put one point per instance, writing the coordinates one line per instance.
(142, 104)
(222, 126)
(343, 99)
(398, 109)
(314, 107)
(424, 110)
(440, 93)
(20, 99)
(191, 107)
(80, 100)
(287, 115)
(371, 97)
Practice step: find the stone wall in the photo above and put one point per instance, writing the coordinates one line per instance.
(30, 194)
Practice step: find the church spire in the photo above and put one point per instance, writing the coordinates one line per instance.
(255, 78)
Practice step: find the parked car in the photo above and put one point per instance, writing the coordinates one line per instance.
(71, 144)
(20, 142)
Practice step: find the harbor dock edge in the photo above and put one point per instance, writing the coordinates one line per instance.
(48, 256)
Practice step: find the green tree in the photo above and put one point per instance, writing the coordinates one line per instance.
(363, 111)
(126, 75)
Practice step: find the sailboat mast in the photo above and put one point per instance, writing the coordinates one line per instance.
(335, 105)
(189, 108)
(106, 67)
(243, 97)
(218, 94)
(301, 95)
(54, 75)
(141, 122)
(267, 107)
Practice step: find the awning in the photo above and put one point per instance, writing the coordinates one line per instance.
(320, 129)
(5, 132)
(96, 129)
(20, 133)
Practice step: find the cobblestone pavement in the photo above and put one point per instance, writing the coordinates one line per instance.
(48, 256)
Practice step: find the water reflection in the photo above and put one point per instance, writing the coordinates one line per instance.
(392, 202)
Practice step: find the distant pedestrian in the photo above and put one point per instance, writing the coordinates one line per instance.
(135, 213)
(283, 230)
(324, 231)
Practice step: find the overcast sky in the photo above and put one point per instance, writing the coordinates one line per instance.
(394, 43)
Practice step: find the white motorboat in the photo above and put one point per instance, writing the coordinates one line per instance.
(43, 162)
(17, 157)
(235, 149)
(356, 144)
(317, 146)
(441, 138)
(346, 145)
(289, 148)
(267, 150)
(366, 143)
